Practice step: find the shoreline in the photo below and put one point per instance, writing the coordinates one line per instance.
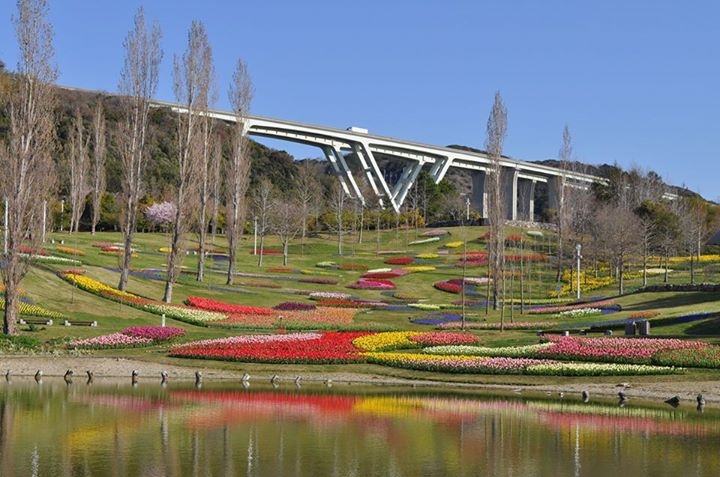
(22, 366)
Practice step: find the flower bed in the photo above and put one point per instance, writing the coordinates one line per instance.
(399, 260)
(703, 357)
(455, 244)
(319, 281)
(352, 266)
(439, 338)
(294, 306)
(574, 306)
(438, 319)
(424, 241)
(329, 296)
(29, 309)
(214, 305)
(427, 256)
(435, 233)
(373, 284)
(385, 274)
(390, 340)
(349, 303)
(518, 325)
(156, 333)
(316, 348)
(623, 350)
(70, 251)
(114, 340)
(419, 268)
(447, 286)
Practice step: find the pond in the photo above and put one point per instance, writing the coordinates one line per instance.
(224, 429)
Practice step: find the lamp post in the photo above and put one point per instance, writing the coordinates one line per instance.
(255, 234)
(62, 213)
(578, 256)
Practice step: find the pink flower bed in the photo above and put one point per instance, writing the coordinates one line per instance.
(627, 350)
(441, 338)
(213, 305)
(114, 340)
(373, 284)
(155, 333)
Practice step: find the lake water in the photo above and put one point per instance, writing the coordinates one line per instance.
(221, 429)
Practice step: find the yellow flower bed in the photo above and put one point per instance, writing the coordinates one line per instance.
(427, 255)
(386, 341)
(419, 268)
(70, 251)
(94, 286)
(455, 244)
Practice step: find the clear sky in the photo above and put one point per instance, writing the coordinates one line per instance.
(636, 81)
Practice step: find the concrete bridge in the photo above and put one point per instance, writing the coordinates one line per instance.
(519, 177)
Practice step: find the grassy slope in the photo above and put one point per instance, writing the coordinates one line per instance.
(47, 290)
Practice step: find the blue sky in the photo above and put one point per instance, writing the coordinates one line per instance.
(637, 82)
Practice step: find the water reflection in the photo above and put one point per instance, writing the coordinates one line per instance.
(181, 429)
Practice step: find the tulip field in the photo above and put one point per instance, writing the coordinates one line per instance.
(414, 300)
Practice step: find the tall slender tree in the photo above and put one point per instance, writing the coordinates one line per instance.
(497, 214)
(98, 177)
(192, 81)
(138, 82)
(27, 148)
(237, 172)
(79, 169)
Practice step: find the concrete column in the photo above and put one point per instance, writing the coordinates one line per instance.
(555, 187)
(509, 181)
(526, 199)
(478, 197)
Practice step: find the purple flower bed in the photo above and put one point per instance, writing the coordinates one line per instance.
(437, 319)
(294, 306)
(320, 281)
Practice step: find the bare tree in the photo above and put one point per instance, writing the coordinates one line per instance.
(286, 222)
(215, 183)
(263, 200)
(26, 151)
(138, 82)
(238, 167)
(496, 131)
(97, 169)
(192, 82)
(308, 192)
(563, 212)
(208, 159)
(79, 169)
(619, 233)
(337, 199)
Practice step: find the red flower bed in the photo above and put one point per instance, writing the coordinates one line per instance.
(399, 260)
(280, 270)
(316, 348)
(213, 305)
(31, 251)
(448, 287)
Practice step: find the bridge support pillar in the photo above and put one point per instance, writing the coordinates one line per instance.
(526, 199)
(478, 197)
(556, 192)
(509, 183)
(343, 172)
